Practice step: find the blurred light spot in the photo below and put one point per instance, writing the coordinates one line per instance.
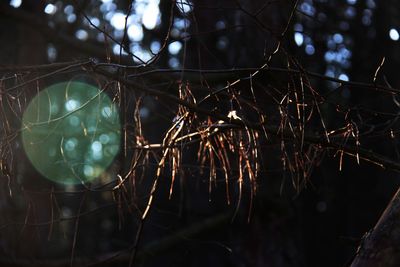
(81, 34)
(134, 18)
(15, 3)
(68, 9)
(135, 32)
(151, 16)
(117, 49)
(51, 53)
(346, 53)
(338, 57)
(140, 7)
(71, 144)
(54, 108)
(71, 18)
(71, 105)
(329, 56)
(173, 62)
(331, 44)
(175, 33)
(338, 38)
(155, 47)
(351, 2)
(140, 53)
(100, 37)
(144, 112)
(350, 12)
(74, 121)
(108, 16)
(118, 34)
(367, 12)
(371, 4)
(346, 64)
(96, 146)
(88, 171)
(298, 38)
(222, 43)
(220, 25)
(298, 27)
(91, 129)
(50, 9)
(330, 73)
(367, 17)
(174, 47)
(366, 20)
(106, 112)
(344, 77)
(95, 21)
(181, 24)
(107, 6)
(307, 8)
(104, 139)
(310, 50)
(97, 155)
(66, 212)
(394, 34)
(184, 6)
(118, 20)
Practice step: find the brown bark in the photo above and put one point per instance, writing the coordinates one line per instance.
(380, 247)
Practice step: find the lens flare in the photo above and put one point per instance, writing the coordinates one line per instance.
(71, 132)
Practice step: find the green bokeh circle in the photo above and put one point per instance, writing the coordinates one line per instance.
(71, 132)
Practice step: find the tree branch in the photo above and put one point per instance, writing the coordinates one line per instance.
(380, 246)
(364, 154)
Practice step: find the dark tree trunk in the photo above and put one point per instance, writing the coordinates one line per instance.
(380, 246)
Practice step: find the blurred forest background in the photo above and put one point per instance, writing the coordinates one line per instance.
(267, 129)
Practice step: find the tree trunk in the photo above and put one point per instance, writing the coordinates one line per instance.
(380, 246)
